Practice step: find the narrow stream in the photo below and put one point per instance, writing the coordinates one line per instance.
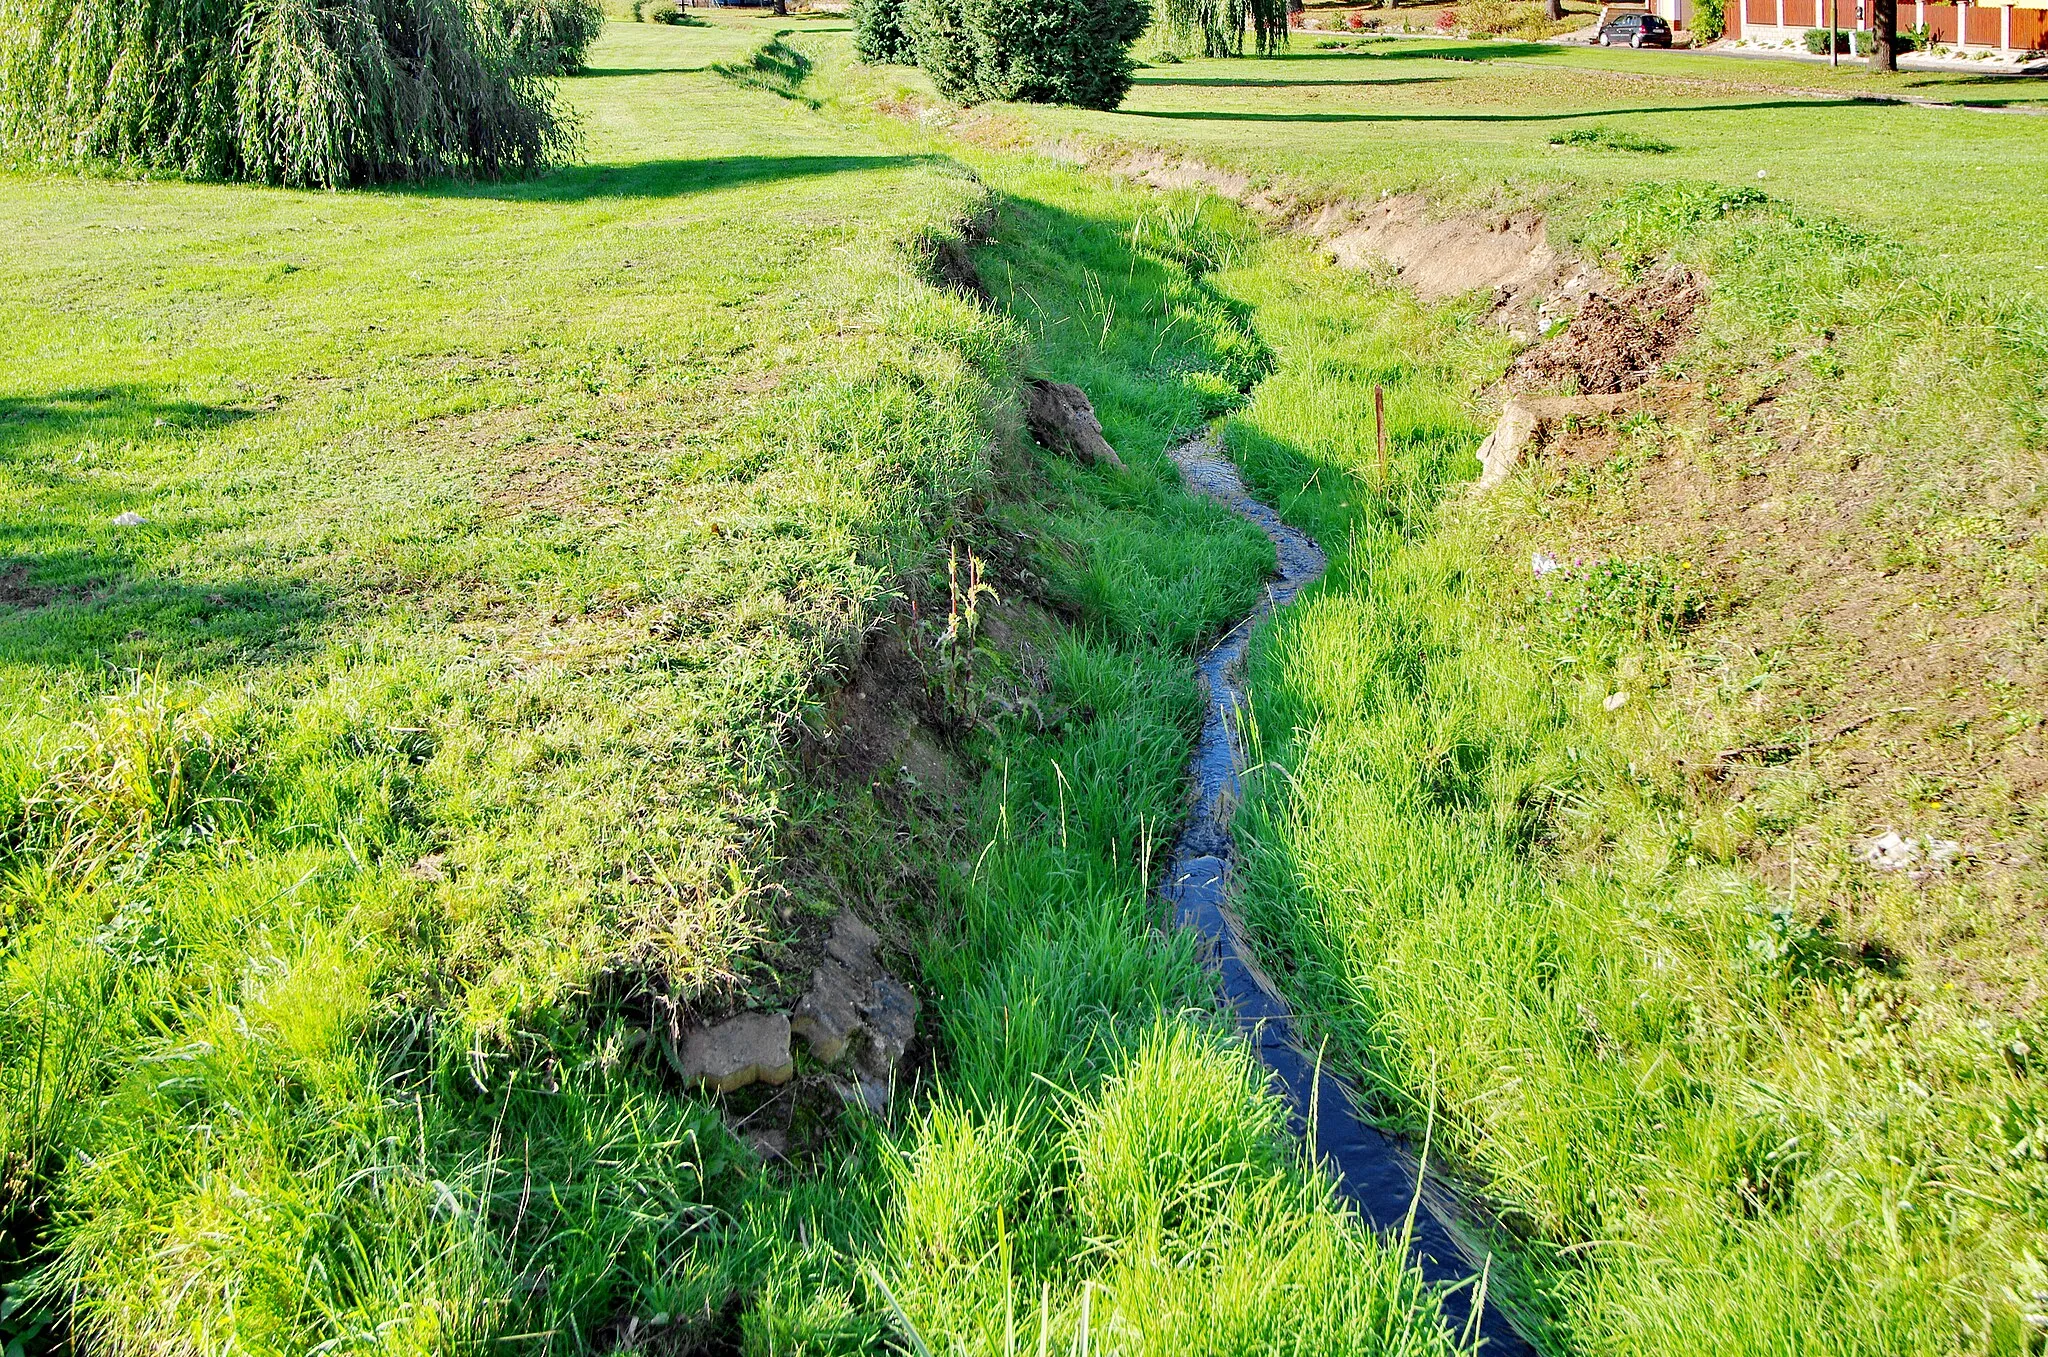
(1376, 1172)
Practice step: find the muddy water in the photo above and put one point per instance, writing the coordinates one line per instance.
(1376, 1172)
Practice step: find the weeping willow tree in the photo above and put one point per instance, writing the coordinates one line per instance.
(1218, 27)
(306, 93)
(551, 36)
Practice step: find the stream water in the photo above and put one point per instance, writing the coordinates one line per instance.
(1376, 1172)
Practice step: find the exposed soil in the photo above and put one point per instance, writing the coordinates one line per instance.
(946, 260)
(17, 592)
(1907, 683)
(1439, 257)
(1616, 342)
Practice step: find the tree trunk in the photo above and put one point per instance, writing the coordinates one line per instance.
(1884, 35)
(1553, 10)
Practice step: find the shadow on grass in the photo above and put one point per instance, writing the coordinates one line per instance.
(1395, 49)
(1255, 82)
(665, 178)
(128, 410)
(1202, 115)
(81, 609)
(601, 72)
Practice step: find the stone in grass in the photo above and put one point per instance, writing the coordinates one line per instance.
(1061, 419)
(1523, 421)
(743, 1049)
(855, 1009)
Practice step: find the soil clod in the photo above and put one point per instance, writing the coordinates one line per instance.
(1616, 342)
(856, 1012)
(1061, 418)
(744, 1049)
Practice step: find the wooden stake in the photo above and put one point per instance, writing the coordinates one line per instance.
(1379, 428)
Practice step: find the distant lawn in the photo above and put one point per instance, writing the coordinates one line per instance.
(1471, 121)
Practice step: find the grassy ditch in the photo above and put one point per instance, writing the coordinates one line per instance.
(1564, 833)
(1737, 1090)
(1097, 1150)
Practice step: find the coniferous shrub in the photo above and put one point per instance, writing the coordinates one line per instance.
(1035, 51)
(304, 93)
(879, 37)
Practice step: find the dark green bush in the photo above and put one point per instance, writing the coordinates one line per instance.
(879, 37)
(298, 92)
(1035, 51)
(666, 12)
(550, 36)
(1849, 40)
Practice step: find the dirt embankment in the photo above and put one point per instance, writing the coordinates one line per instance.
(1533, 285)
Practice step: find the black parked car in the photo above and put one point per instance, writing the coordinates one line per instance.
(1635, 30)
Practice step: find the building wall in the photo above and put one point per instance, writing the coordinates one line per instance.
(1764, 21)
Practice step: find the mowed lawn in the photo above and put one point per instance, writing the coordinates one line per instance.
(1471, 122)
(498, 432)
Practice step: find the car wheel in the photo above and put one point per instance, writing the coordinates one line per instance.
(1606, 41)
(1636, 41)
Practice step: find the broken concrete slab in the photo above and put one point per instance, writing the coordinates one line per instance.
(856, 1010)
(744, 1049)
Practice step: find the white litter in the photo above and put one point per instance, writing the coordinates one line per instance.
(1893, 852)
(1543, 563)
(1615, 701)
(131, 519)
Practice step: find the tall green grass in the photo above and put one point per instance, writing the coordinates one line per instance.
(1100, 1166)
(1712, 1126)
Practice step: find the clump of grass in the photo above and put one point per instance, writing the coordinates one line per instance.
(1613, 139)
(146, 769)
(286, 91)
(1182, 1128)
